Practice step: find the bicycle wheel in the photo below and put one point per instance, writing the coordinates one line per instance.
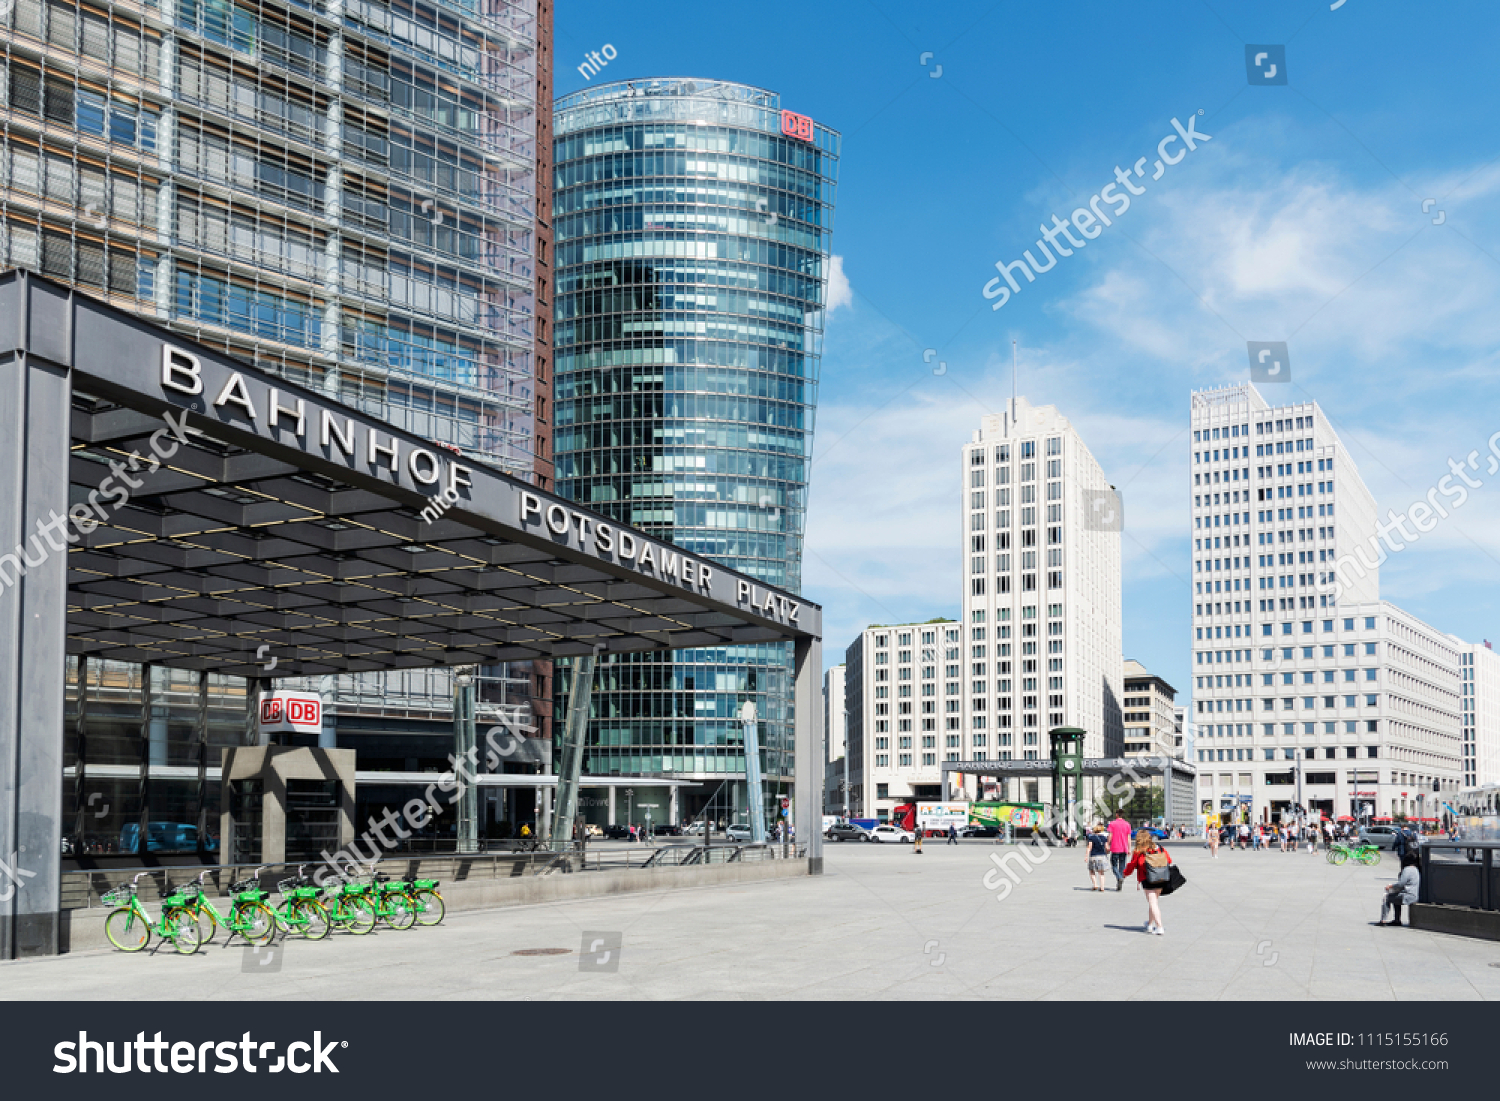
(208, 925)
(1338, 857)
(429, 907)
(312, 919)
(397, 911)
(1371, 857)
(254, 922)
(356, 915)
(286, 918)
(181, 927)
(127, 930)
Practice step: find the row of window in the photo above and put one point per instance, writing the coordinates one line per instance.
(1026, 450)
(1287, 703)
(1027, 474)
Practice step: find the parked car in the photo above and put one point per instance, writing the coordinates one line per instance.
(666, 830)
(1382, 836)
(693, 829)
(846, 831)
(978, 831)
(590, 830)
(617, 833)
(882, 834)
(739, 833)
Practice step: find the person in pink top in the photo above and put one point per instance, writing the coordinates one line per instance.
(1119, 846)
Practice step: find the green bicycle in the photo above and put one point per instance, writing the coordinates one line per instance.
(129, 927)
(248, 916)
(1368, 855)
(348, 908)
(425, 901)
(391, 902)
(300, 911)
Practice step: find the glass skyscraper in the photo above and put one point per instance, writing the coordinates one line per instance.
(692, 221)
(352, 194)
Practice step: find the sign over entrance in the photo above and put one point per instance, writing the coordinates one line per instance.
(290, 713)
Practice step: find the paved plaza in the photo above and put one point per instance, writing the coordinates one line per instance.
(883, 923)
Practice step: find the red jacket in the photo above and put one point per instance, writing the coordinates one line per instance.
(1139, 866)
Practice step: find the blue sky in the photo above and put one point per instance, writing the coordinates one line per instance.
(1301, 220)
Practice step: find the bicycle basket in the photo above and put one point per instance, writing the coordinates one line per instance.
(120, 896)
(285, 886)
(242, 885)
(424, 884)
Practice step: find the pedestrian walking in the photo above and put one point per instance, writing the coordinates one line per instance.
(1146, 856)
(1213, 841)
(1403, 892)
(1098, 858)
(1119, 846)
(952, 834)
(916, 841)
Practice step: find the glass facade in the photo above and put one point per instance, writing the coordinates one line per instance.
(341, 192)
(692, 221)
(351, 194)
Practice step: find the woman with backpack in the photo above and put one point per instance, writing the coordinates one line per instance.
(1150, 862)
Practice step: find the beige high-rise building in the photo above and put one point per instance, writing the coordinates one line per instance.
(1041, 624)
(1480, 713)
(1308, 689)
(1151, 724)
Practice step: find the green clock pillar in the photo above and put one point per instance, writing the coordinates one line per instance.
(1067, 767)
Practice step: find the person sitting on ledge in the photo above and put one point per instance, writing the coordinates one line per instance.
(1403, 891)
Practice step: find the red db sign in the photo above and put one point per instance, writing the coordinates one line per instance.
(796, 126)
(283, 712)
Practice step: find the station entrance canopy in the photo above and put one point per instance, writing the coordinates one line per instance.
(166, 503)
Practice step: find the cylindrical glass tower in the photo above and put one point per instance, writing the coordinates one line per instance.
(692, 221)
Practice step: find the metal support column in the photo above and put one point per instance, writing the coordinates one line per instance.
(465, 736)
(34, 439)
(143, 787)
(755, 794)
(81, 754)
(807, 716)
(201, 750)
(575, 734)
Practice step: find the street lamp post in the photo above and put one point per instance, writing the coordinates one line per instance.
(628, 793)
(846, 764)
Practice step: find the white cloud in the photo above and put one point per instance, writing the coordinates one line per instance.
(839, 293)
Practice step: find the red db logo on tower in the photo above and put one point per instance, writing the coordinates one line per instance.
(796, 126)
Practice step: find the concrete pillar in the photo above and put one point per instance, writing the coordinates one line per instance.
(807, 799)
(34, 438)
(575, 735)
(611, 820)
(672, 810)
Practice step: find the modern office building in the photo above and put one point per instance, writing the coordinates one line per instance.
(1307, 687)
(1182, 739)
(692, 224)
(898, 683)
(1480, 713)
(1151, 728)
(352, 196)
(834, 741)
(833, 713)
(1041, 591)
